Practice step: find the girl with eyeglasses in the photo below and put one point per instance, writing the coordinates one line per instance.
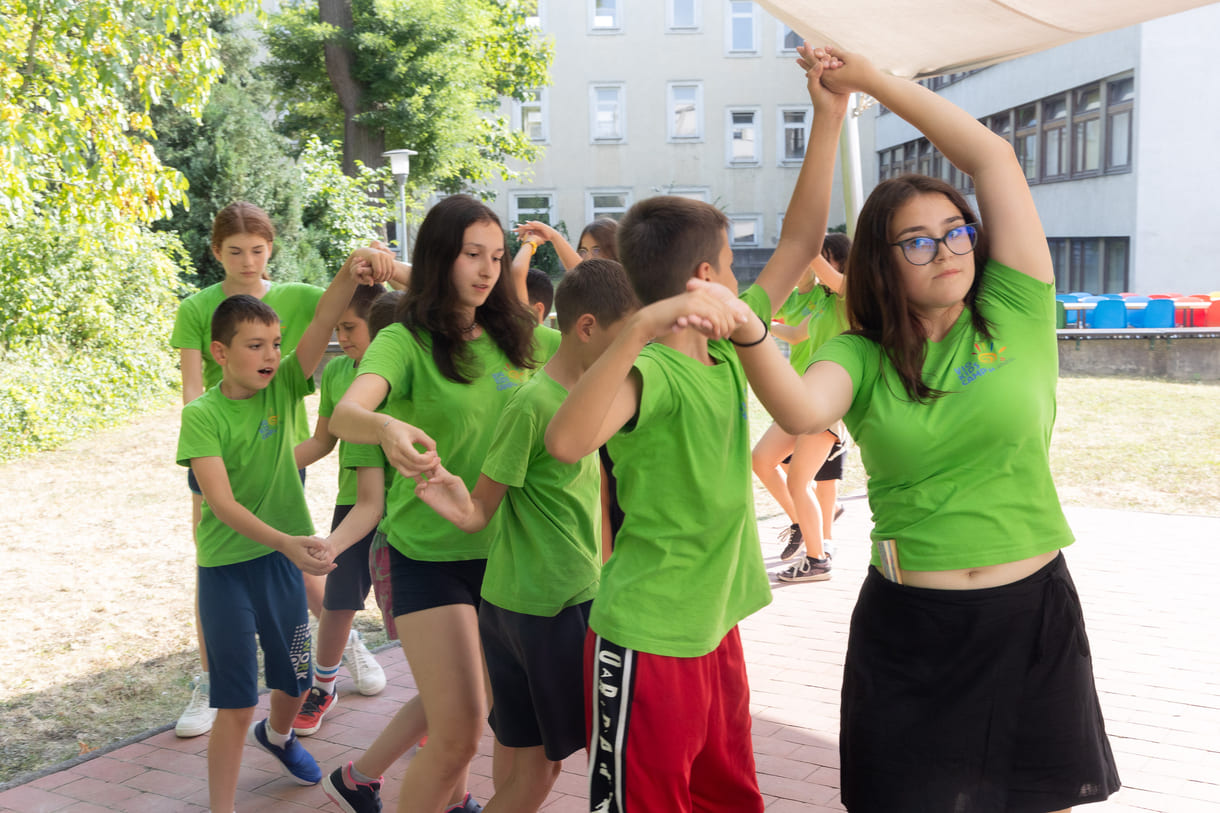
(968, 682)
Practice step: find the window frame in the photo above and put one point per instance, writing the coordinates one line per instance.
(782, 31)
(543, 102)
(756, 219)
(621, 89)
(615, 28)
(1080, 118)
(671, 112)
(592, 212)
(781, 144)
(1124, 107)
(696, 25)
(729, 17)
(730, 158)
(531, 213)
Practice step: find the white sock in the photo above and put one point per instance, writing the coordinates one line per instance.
(274, 737)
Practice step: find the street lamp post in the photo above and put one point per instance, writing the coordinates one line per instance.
(400, 165)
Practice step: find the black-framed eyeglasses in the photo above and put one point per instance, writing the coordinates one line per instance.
(923, 250)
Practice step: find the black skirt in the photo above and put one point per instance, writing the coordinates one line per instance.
(972, 701)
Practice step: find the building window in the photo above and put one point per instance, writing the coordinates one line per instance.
(532, 114)
(1026, 140)
(1120, 98)
(788, 39)
(924, 161)
(743, 136)
(699, 193)
(1086, 130)
(607, 113)
(611, 203)
(685, 106)
(525, 206)
(745, 230)
(1099, 265)
(742, 28)
(793, 133)
(1054, 138)
(533, 13)
(683, 15)
(605, 15)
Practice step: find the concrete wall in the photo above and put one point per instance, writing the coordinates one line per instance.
(1178, 355)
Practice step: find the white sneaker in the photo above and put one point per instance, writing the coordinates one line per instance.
(364, 668)
(198, 716)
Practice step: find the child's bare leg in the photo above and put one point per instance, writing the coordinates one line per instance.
(224, 756)
(443, 650)
(525, 787)
(315, 588)
(808, 456)
(284, 708)
(196, 518)
(403, 731)
(773, 447)
(827, 494)
(333, 628)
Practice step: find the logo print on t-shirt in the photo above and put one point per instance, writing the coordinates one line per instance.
(987, 359)
(267, 428)
(509, 377)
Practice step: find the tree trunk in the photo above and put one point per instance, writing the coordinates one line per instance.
(359, 142)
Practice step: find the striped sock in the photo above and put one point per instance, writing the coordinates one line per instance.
(324, 677)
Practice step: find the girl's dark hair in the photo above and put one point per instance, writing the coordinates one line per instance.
(605, 231)
(363, 299)
(381, 312)
(877, 305)
(430, 305)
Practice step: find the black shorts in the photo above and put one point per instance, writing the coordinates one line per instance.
(536, 668)
(832, 469)
(193, 484)
(419, 585)
(974, 701)
(347, 586)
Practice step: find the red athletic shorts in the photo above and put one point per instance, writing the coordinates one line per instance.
(667, 733)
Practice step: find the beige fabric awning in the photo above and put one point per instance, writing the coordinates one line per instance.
(929, 37)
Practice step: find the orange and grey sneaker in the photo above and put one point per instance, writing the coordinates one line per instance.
(309, 718)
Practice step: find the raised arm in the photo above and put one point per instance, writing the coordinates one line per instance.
(356, 420)
(335, 298)
(545, 233)
(800, 240)
(1006, 206)
(520, 269)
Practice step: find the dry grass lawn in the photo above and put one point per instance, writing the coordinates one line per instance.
(99, 582)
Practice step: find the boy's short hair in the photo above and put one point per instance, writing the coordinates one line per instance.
(383, 311)
(363, 299)
(540, 288)
(663, 239)
(235, 310)
(836, 246)
(598, 287)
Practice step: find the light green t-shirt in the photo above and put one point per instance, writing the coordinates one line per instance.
(459, 417)
(546, 556)
(687, 564)
(964, 481)
(337, 376)
(293, 302)
(255, 437)
(827, 318)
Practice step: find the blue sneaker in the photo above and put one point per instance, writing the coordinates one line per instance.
(468, 805)
(293, 758)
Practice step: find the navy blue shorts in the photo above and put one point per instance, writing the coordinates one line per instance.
(419, 585)
(263, 598)
(193, 484)
(348, 585)
(536, 668)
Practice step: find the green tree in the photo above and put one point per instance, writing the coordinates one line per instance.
(77, 81)
(423, 74)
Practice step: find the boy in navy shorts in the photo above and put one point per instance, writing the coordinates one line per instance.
(665, 674)
(255, 537)
(544, 567)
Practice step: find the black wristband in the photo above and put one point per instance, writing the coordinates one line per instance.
(760, 340)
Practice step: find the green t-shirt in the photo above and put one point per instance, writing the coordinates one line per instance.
(337, 376)
(255, 437)
(546, 556)
(827, 318)
(964, 481)
(687, 563)
(293, 302)
(459, 417)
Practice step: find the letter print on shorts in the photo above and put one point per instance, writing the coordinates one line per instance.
(613, 681)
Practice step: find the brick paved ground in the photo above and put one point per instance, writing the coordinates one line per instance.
(1149, 586)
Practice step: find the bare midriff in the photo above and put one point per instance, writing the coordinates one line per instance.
(978, 578)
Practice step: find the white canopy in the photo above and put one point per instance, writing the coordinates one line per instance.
(928, 37)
